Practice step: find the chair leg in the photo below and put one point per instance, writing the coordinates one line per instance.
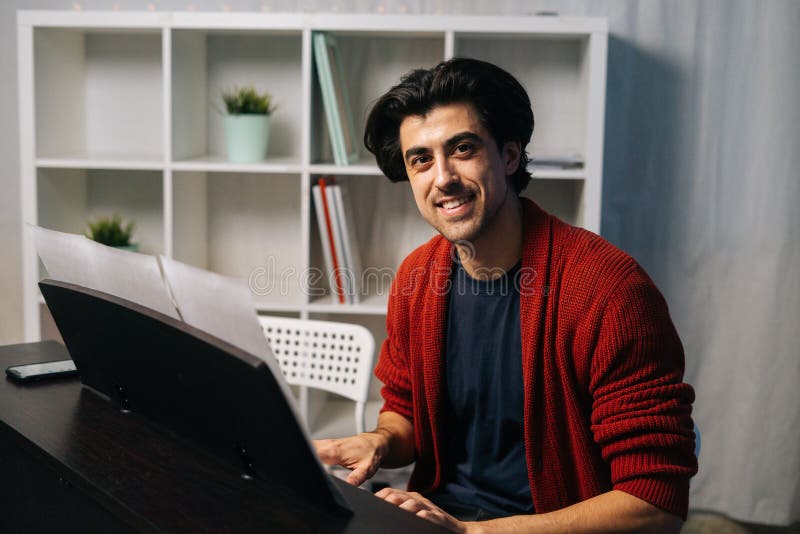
(360, 408)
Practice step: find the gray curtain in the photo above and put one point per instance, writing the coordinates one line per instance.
(702, 185)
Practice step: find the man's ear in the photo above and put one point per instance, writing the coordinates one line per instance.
(511, 156)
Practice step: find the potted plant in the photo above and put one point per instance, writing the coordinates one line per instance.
(112, 231)
(246, 123)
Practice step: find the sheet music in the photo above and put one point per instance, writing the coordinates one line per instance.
(77, 260)
(223, 307)
(216, 304)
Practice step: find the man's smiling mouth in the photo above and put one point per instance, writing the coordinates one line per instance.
(455, 202)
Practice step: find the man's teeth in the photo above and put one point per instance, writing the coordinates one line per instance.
(450, 204)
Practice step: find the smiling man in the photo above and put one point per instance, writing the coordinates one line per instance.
(531, 369)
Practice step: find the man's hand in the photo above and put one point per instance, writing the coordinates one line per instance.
(419, 505)
(362, 454)
(391, 444)
(614, 511)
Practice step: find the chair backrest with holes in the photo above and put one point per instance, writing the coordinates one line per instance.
(335, 357)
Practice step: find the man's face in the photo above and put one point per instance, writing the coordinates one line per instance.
(457, 174)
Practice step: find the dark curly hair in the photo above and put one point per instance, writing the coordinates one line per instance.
(501, 102)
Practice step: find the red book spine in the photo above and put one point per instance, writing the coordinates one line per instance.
(339, 281)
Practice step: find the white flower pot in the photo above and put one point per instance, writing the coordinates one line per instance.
(246, 137)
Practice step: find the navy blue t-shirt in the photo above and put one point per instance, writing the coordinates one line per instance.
(483, 373)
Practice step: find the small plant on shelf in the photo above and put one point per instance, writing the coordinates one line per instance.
(111, 231)
(247, 101)
(246, 123)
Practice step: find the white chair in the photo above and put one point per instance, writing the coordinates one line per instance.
(334, 357)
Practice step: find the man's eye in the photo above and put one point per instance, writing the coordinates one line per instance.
(463, 148)
(421, 160)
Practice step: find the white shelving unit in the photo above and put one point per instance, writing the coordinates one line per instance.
(117, 114)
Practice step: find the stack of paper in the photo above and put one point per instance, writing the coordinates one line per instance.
(77, 260)
(216, 304)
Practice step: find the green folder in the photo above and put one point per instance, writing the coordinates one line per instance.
(334, 99)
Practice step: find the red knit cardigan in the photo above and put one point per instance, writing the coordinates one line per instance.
(605, 405)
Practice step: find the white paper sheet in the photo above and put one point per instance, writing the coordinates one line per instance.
(77, 260)
(223, 307)
(216, 304)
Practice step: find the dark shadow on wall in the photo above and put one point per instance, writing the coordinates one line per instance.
(641, 157)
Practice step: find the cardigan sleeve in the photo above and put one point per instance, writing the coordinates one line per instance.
(392, 368)
(641, 408)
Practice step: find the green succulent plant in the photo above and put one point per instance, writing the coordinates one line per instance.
(111, 231)
(247, 100)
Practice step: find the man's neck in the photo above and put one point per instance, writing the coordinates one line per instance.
(499, 247)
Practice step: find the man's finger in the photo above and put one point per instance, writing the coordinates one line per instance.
(396, 498)
(390, 491)
(431, 515)
(412, 505)
(358, 476)
(383, 493)
(418, 496)
(440, 518)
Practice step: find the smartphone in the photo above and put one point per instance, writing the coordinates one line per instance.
(38, 371)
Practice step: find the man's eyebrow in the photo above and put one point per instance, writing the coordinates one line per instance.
(416, 151)
(450, 143)
(463, 136)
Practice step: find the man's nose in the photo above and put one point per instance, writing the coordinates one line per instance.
(445, 174)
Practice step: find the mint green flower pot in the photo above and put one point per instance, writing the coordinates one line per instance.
(133, 247)
(246, 137)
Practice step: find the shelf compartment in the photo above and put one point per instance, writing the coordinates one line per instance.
(554, 71)
(68, 198)
(562, 198)
(371, 65)
(204, 63)
(243, 225)
(388, 227)
(98, 95)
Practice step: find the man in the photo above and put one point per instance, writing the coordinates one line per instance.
(531, 369)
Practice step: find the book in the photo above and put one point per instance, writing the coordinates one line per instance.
(349, 243)
(343, 273)
(335, 99)
(323, 229)
(326, 218)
